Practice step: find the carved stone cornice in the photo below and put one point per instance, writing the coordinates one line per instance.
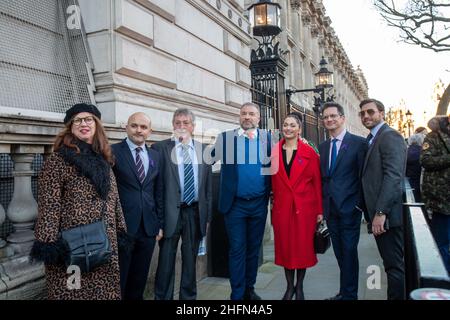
(296, 5)
(315, 31)
(306, 18)
(322, 41)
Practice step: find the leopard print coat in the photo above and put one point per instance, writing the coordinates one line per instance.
(71, 188)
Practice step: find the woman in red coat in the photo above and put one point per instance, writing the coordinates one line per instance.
(297, 204)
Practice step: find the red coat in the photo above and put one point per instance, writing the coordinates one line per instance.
(297, 203)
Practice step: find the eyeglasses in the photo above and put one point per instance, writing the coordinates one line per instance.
(370, 112)
(88, 120)
(331, 116)
(182, 123)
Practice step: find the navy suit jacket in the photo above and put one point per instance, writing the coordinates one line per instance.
(225, 151)
(140, 202)
(343, 184)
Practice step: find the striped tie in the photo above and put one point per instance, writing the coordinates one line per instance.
(189, 192)
(140, 165)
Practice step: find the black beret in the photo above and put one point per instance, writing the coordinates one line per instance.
(81, 107)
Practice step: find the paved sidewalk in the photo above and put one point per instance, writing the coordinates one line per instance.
(321, 281)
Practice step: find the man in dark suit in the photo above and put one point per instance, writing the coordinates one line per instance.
(137, 170)
(187, 206)
(243, 198)
(341, 162)
(382, 179)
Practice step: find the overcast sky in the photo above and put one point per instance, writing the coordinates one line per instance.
(394, 70)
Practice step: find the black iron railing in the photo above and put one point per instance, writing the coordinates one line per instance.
(424, 267)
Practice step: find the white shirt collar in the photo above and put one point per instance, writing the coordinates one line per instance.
(340, 136)
(132, 145)
(179, 144)
(242, 132)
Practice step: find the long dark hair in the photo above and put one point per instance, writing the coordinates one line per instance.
(100, 142)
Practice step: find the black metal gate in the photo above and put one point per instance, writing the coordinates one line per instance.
(267, 70)
(313, 129)
(264, 94)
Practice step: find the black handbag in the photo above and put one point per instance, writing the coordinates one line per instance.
(89, 246)
(322, 239)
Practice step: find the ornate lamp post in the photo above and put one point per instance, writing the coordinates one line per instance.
(409, 121)
(267, 66)
(265, 18)
(324, 80)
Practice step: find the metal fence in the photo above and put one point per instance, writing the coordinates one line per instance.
(44, 60)
(264, 94)
(424, 267)
(313, 129)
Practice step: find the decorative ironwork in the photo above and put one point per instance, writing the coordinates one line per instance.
(267, 65)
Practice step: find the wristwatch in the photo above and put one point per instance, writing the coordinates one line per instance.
(380, 213)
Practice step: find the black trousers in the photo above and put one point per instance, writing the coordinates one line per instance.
(188, 229)
(390, 245)
(134, 267)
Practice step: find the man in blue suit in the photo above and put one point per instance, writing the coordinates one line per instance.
(137, 169)
(243, 197)
(341, 161)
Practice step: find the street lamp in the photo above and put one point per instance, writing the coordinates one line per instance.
(265, 21)
(409, 121)
(267, 64)
(265, 18)
(324, 79)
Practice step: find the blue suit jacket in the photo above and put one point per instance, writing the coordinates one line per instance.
(343, 185)
(225, 151)
(140, 202)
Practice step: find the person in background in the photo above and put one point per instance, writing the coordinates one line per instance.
(435, 158)
(413, 167)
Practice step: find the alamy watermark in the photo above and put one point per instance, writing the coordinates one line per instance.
(74, 280)
(74, 19)
(374, 278)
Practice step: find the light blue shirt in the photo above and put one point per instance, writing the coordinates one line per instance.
(144, 154)
(193, 156)
(374, 131)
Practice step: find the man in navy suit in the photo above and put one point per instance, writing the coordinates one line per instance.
(243, 197)
(341, 161)
(137, 169)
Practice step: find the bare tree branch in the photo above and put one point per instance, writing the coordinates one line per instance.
(421, 22)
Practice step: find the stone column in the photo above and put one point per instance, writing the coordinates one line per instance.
(22, 210)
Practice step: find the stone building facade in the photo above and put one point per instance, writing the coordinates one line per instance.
(126, 56)
(307, 36)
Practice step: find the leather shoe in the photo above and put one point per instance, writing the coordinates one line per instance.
(250, 294)
(336, 297)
